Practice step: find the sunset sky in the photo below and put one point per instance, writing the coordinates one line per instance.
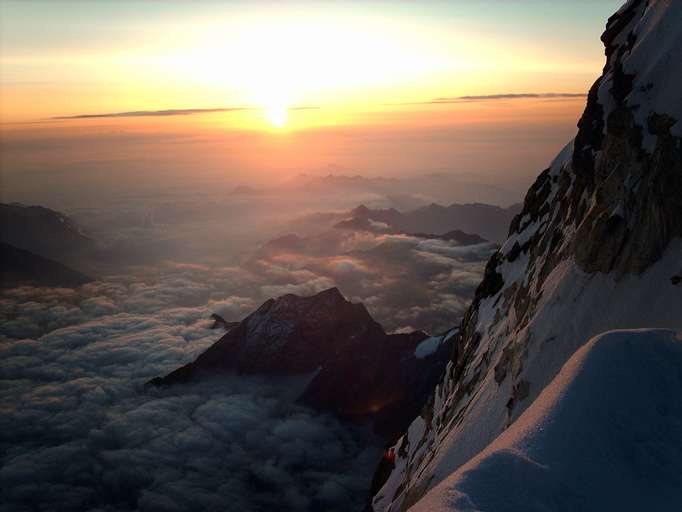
(69, 58)
(302, 85)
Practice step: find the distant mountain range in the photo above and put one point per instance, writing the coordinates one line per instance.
(404, 193)
(488, 221)
(484, 220)
(42, 231)
(39, 245)
(18, 266)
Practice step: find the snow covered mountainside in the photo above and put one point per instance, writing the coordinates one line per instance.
(627, 456)
(597, 247)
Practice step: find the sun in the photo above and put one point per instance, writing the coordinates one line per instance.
(277, 115)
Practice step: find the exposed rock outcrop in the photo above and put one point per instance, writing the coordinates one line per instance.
(220, 323)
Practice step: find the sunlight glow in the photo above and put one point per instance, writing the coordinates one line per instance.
(277, 115)
(262, 64)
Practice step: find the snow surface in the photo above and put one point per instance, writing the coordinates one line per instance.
(571, 312)
(605, 434)
(428, 347)
(655, 63)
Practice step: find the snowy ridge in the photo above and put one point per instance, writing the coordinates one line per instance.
(595, 248)
(431, 345)
(628, 456)
(657, 81)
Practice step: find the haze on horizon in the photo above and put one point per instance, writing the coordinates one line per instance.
(214, 93)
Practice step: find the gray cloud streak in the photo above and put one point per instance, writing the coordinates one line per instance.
(446, 100)
(168, 112)
(154, 113)
(507, 96)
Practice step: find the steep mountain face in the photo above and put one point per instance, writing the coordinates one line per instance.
(596, 247)
(42, 231)
(627, 383)
(358, 371)
(18, 267)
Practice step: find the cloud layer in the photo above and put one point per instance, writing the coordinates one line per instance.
(445, 100)
(167, 112)
(407, 283)
(79, 429)
(80, 432)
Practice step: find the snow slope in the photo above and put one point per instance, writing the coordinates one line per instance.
(431, 345)
(605, 434)
(657, 82)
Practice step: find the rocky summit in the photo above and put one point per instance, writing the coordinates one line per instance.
(358, 371)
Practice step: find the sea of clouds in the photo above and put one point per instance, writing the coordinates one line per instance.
(81, 432)
(407, 283)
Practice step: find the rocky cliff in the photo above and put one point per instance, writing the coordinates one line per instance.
(596, 247)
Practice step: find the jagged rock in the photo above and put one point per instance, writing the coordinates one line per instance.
(220, 323)
(359, 372)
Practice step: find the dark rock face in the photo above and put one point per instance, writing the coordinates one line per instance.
(629, 226)
(18, 266)
(220, 323)
(42, 231)
(360, 371)
(390, 216)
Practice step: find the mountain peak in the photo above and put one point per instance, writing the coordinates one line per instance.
(321, 307)
(360, 211)
(358, 371)
(332, 294)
